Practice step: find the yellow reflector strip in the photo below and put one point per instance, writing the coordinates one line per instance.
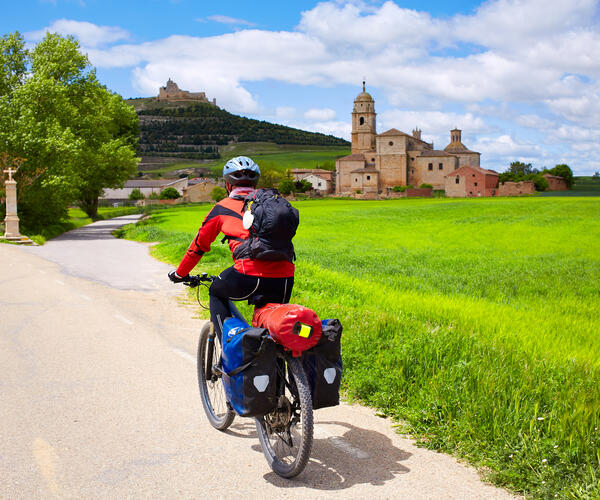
(305, 331)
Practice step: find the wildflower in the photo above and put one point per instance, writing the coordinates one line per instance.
(544, 460)
(540, 418)
(555, 446)
(510, 456)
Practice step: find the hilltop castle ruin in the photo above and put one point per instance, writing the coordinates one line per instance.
(172, 92)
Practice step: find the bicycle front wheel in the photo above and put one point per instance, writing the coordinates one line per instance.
(286, 434)
(219, 413)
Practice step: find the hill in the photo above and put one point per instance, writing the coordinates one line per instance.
(199, 131)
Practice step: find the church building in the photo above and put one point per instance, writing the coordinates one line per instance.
(381, 161)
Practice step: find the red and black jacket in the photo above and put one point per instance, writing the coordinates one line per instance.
(226, 218)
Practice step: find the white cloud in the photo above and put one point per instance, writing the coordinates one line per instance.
(230, 20)
(88, 34)
(322, 114)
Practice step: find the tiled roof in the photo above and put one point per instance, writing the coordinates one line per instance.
(461, 171)
(458, 148)
(368, 170)
(392, 131)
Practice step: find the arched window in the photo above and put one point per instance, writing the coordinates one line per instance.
(391, 143)
(362, 120)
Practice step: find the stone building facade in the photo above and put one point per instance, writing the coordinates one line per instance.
(556, 183)
(172, 92)
(469, 181)
(320, 179)
(379, 162)
(510, 188)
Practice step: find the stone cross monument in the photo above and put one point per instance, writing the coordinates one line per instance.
(12, 219)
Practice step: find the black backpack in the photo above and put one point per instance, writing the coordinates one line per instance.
(272, 223)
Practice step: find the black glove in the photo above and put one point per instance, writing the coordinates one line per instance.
(175, 278)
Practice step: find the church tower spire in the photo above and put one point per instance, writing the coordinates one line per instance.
(363, 123)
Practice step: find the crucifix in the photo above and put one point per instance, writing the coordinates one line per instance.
(10, 171)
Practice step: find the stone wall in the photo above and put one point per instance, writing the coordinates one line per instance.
(419, 173)
(510, 188)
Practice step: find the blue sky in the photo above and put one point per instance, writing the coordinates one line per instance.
(519, 77)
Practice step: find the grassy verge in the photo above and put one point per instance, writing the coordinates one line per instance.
(77, 218)
(473, 322)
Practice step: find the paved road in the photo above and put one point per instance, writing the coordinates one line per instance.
(98, 396)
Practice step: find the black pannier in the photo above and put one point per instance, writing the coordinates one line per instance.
(323, 366)
(249, 362)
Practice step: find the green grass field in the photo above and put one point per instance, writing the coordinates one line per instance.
(269, 155)
(474, 322)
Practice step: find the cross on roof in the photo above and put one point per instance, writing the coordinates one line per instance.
(10, 171)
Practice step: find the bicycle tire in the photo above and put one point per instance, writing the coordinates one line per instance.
(212, 393)
(289, 461)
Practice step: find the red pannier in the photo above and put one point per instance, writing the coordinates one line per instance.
(295, 327)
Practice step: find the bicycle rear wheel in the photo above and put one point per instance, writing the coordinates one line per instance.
(286, 434)
(219, 413)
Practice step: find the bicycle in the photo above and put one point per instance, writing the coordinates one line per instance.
(286, 433)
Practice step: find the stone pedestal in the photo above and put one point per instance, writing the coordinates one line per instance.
(12, 219)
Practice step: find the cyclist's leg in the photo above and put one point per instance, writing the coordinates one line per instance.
(229, 285)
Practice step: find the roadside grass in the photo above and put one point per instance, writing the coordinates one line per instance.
(280, 157)
(473, 322)
(76, 219)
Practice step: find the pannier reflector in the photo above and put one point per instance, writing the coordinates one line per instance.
(329, 374)
(304, 331)
(262, 381)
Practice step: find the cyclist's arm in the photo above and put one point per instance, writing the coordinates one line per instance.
(208, 232)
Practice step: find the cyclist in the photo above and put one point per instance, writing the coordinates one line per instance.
(258, 281)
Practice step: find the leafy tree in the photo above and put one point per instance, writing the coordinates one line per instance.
(303, 186)
(169, 193)
(55, 113)
(218, 193)
(154, 196)
(596, 175)
(540, 182)
(136, 194)
(518, 168)
(286, 186)
(565, 172)
(269, 178)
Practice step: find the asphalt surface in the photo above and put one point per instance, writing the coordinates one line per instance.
(98, 396)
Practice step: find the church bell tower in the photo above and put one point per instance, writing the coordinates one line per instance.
(363, 123)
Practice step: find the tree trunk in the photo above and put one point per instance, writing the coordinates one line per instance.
(90, 206)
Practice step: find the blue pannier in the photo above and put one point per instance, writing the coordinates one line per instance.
(249, 362)
(323, 366)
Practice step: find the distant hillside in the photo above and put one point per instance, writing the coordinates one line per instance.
(199, 131)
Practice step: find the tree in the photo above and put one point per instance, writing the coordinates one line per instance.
(540, 182)
(58, 116)
(565, 172)
(136, 194)
(169, 193)
(520, 169)
(218, 193)
(596, 174)
(286, 186)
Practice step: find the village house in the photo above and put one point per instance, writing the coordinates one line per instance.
(172, 92)
(199, 190)
(147, 187)
(320, 179)
(510, 188)
(470, 181)
(379, 162)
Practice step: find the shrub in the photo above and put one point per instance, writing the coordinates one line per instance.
(136, 194)
(358, 191)
(303, 186)
(218, 193)
(540, 182)
(399, 189)
(426, 186)
(154, 196)
(286, 186)
(565, 172)
(169, 193)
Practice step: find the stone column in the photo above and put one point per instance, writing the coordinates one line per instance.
(12, 219)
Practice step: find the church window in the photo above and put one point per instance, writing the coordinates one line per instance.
(372, 159)
(476, 184)
(458, 180)
(391, 143)
(319, 184)
(362, 120)
(368, 177)
(430, 166)
(412, 159)
(441, 166)
(356, 180)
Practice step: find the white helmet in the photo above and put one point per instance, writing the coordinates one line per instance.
(241, 171)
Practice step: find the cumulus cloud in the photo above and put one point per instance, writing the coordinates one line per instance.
(88, 34)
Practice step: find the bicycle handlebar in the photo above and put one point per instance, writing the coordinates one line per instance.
(194, 281)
